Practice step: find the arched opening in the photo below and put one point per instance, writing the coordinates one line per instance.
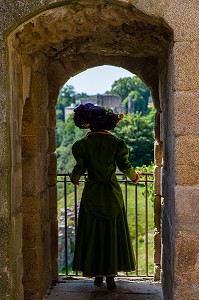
(92, 87)
(81, 36)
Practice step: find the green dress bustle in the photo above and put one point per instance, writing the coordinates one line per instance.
(103, 244)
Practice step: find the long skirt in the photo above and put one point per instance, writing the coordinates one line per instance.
(103, 247)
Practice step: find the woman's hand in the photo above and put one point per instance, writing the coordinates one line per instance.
(138, 174)
(75, 183)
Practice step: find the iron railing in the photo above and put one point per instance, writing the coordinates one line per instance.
(138, 200)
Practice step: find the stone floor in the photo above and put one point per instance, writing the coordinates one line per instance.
(84, 289)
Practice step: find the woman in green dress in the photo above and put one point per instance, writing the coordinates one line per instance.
(103, 244)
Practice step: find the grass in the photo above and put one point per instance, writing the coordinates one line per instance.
(141, 223)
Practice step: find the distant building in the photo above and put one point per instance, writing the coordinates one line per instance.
(111, 101)
(68, 110)
(150, 102)
(105, 100)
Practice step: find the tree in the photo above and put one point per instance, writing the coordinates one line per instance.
(67, 96)
(122, 87)
(137, 131)
(134, 88)
(67, 133)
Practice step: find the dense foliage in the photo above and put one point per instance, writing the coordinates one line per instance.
(137, 131)
(134, 88)
(67, 134)
(67, 96)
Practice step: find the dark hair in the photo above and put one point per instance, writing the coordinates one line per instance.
(95, 117)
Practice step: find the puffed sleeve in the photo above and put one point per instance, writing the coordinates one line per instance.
(121, 157)
(80, 167)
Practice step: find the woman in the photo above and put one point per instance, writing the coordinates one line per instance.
(103, 245)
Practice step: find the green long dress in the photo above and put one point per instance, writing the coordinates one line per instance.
(103, 244)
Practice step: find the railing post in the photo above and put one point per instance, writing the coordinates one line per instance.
(136, 229)
(66, 227)
(75, 198)
(146, 224)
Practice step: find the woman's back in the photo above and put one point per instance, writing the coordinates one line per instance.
(99, 152)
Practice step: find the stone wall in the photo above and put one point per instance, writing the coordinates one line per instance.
(34, 198)
(42, 44)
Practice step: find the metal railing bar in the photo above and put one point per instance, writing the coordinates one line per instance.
(128, 181)
(75, 196)
(146, 223)
(125, 197)
(118, 174)
(136, 230)
(66, 227)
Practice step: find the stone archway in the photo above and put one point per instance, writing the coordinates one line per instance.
(44, 52)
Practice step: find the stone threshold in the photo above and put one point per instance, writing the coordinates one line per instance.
(80, 288)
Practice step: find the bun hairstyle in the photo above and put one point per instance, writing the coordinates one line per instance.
(95, 117)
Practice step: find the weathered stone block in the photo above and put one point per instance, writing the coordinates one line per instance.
(32, 230)
(31, 204)
(34, 175)
(178, 16)
(167, 277)
(30, 145)
(58, 69)
(4, 154)
(17, 235)
(157, 247)
(52, 169)
(187, 291)
(36, 90)
(54, 249)
(52, 117)
(17, 273)
(186, 113)
(53, 202)
(157, 180)
(52, 140)
(46, 245)
(168, 242)
(32, 294)
(30, 118)
(187, 158)
(32, 268)
(44, 139)
(16, 192)
(158, 153)
(3, 106)
(186, 259)
(186, 71)
(186, 206)
(28, 61)
(4, 237)
(4, 196)
(41, 62)
(157, 126)
(45, 207)
(157, 211)
(26, 71)
(4, 285)
(157, 271)
(53, 95)
(29, 127)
